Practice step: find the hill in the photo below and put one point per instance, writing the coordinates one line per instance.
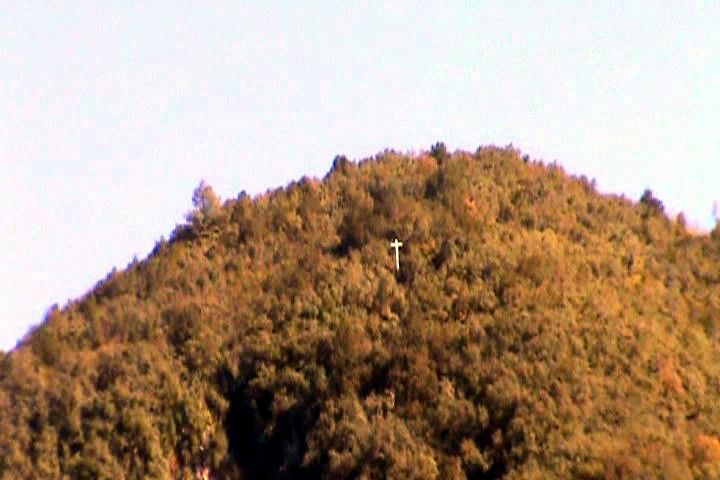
(536, 329)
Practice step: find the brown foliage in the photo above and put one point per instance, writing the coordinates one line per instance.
(536, 329)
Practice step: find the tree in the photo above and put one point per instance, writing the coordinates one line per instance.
(206, 202)
(651, 202)
(439, 151)
(340, 164)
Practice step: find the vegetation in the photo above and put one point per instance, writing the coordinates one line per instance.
(536, 329)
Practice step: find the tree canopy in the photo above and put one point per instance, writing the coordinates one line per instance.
(536, 329)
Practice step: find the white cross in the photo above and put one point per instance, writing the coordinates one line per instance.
(396, 244)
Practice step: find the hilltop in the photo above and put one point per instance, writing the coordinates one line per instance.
(536, 329)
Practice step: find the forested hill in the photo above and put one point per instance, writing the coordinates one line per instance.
(536, 329)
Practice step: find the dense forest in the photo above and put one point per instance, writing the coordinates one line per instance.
(536, 329)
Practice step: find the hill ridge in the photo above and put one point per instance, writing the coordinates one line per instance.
(535, 329)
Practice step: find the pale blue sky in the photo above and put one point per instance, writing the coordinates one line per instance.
(111, 112)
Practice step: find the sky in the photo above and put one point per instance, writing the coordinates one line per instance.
(112, 112)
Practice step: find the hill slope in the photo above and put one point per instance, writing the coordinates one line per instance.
(536, 329)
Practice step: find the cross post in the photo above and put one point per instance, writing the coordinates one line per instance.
(396, 244)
